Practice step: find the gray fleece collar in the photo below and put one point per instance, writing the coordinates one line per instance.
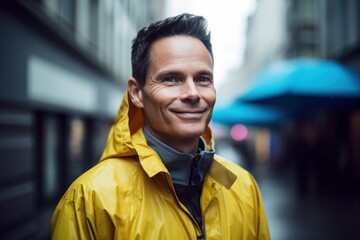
(182, 166)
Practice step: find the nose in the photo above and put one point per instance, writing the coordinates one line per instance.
(190, 92)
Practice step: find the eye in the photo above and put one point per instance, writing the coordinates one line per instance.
(204, 80)
(171, 80)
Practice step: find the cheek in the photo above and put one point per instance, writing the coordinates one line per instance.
(209, 95)
(156, 102)
(151, 106)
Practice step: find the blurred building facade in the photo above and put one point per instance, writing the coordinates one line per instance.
(325, 29)
(64, 67)
(266, 38)
(319, 29)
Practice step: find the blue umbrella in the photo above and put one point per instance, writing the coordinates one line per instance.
(248, 114)
(303, 85)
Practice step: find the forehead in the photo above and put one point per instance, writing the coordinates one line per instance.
(173, 49)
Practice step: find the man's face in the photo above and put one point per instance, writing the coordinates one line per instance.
(179, 95)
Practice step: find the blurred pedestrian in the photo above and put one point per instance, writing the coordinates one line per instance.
(159, 177)
(312, 164)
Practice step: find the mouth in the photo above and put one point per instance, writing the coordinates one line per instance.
(194, 114)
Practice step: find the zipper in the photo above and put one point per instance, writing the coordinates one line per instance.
(195, 177)
(202, 236)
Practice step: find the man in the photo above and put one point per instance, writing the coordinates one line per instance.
(159, 177)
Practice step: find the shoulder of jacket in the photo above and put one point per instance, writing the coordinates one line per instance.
(104, 176)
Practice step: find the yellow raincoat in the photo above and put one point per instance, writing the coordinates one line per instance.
(129, 195)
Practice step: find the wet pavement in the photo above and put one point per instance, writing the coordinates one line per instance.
(330, 215)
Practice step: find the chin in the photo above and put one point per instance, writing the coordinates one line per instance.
(192, 131)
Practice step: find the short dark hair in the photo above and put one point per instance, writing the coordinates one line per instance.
(183, 24)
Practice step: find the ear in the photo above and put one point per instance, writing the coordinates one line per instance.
(135, 92)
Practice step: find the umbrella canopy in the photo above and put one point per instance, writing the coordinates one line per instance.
(304, 84)
(248, 114)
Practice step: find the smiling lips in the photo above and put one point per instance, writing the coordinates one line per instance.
(190, 114)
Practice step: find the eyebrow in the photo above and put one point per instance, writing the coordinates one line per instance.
(179, 73)
(167, 73)
(205, 72)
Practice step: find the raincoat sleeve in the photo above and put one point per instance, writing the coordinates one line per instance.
(71, 221)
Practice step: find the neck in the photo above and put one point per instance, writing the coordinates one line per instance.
(184, 146)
